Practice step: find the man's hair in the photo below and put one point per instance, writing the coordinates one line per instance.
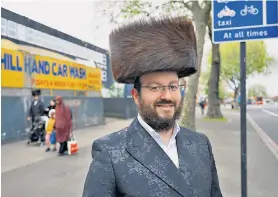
(137, 84)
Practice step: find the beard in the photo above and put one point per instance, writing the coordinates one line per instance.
(152, 118)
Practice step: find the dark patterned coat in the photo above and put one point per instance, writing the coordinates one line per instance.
(36, 110)
(130, 163)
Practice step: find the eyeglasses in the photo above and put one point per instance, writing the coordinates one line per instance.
(157, 88)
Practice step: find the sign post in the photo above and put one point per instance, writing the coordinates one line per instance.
(243, 129)
(241, 21)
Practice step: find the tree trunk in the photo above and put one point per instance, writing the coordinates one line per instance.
(214, 110)
(236, 92)
(200, 18)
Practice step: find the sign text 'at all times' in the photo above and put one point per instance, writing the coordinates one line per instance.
(235, 20)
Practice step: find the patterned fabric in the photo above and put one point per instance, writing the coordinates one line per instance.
(36, 109)
(171, 148)
(130, 163)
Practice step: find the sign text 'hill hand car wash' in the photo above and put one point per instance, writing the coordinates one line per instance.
(47, 72)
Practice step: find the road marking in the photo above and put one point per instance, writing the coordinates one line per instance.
(270, 113)
(273, 147)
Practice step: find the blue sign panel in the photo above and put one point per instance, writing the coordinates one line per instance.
(243, 20)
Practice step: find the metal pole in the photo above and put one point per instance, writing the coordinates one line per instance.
(243, 119)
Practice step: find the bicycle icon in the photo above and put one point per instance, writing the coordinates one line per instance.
(250, 10)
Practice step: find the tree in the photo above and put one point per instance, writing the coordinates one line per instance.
(214, 110)
(257, 90)
(201, 13)
(204, 80)
(257, 61)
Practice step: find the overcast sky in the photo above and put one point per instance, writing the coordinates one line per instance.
(80, 19)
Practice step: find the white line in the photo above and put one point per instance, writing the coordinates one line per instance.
(273, 147)
(270, 113)
(246, 27)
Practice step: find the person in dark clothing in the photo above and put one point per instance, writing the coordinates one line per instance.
(37, 106)
(50, 107)
(202, 105)
(36, 112)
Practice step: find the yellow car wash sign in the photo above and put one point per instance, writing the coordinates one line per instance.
(47, 73)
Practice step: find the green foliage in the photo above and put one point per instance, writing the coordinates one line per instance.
(204, 80)
(222, 93)
(116, 91)
(257, 61)
(257, 90)
(138, 8)
(132, 8)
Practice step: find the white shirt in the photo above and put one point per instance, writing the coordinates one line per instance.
(170, 149)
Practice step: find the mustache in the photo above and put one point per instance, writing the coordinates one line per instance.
(165, 102)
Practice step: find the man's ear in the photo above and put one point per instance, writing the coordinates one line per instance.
(135, 96)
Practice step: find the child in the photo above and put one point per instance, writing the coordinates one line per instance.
(49, 130)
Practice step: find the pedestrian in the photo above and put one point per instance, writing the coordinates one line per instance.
(49, 129)
(153, 156)
(51, 106)
(37, 106)
(202, 105)
(48, 109)
(63, 124)
(36, 116)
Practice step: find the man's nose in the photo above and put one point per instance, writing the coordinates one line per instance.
(166, 94)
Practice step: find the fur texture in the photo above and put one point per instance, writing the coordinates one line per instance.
(167, 44)
(36, 92)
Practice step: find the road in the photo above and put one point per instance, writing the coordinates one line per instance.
(266, 118)
(271, 108)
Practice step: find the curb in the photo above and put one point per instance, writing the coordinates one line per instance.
(273, 147)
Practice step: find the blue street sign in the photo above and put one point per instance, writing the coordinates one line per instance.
(243, 20)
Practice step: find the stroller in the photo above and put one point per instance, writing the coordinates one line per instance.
(37, 133)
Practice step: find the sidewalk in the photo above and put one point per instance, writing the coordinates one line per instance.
(262, 166)
(18, 154)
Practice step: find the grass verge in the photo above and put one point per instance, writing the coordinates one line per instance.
(215, 119)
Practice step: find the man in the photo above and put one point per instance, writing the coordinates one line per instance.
(202, 104)
(37, 106)
(153, 157)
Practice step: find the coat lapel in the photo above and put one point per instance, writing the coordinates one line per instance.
(145, 150)
(185, 163)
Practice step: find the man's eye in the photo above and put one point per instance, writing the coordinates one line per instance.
(154, 88)
(173, 87)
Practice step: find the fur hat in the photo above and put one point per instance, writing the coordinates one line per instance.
(167, 44)
(36, 92)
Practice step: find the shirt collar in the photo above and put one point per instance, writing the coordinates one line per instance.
(152, 132)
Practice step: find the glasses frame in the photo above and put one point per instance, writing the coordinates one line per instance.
(162, 88)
